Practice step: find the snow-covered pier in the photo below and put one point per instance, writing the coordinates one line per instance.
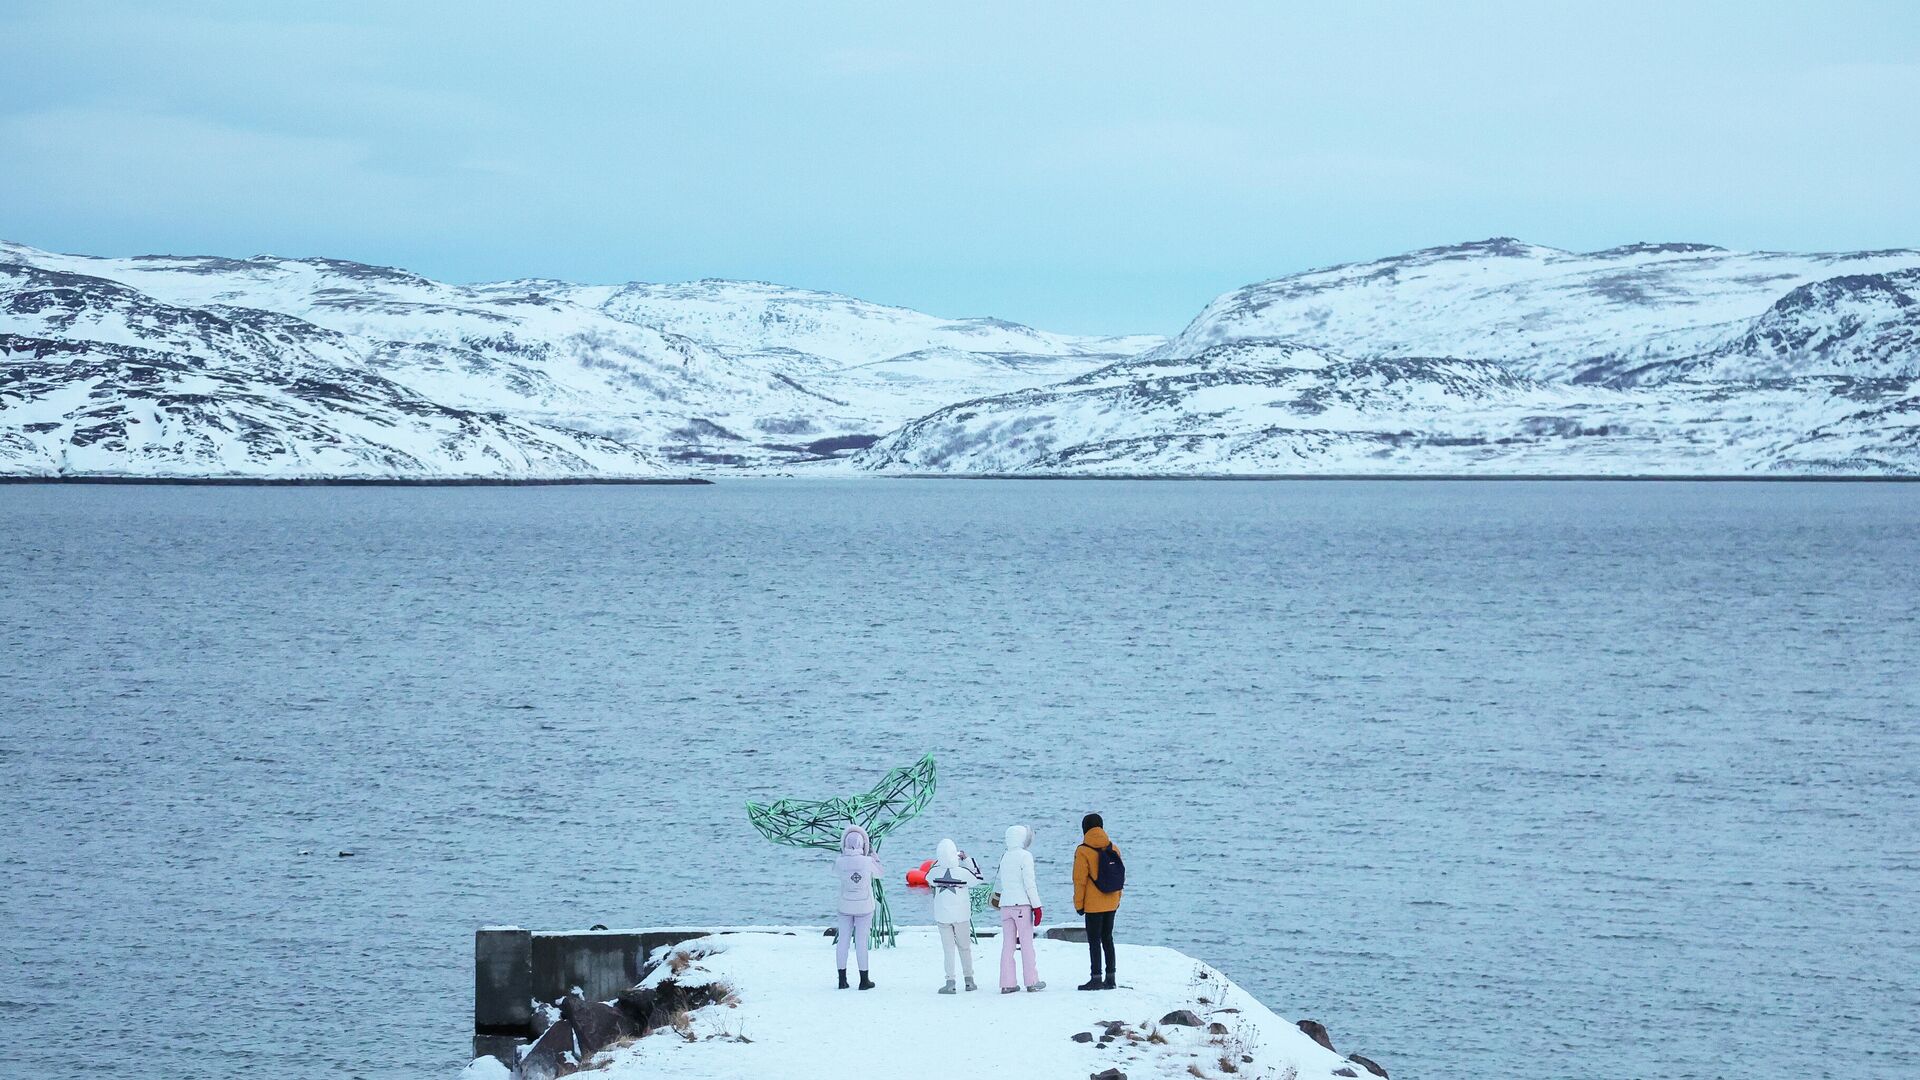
(762, 1002)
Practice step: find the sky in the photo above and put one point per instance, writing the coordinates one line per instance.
(1080, 167)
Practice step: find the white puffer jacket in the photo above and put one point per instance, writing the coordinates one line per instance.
(856, 869)
(1016, 885)
(951, 877)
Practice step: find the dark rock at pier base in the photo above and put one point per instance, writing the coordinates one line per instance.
(1317, 1031)
(1368, 1064)
(648, 1009)
(595, 1025)
(637, 1006)
(546, 1057)
(1181, 1018)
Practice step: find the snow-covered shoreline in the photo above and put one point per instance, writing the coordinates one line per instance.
(768, 1006)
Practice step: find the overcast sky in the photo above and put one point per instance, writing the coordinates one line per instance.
(1098, 167)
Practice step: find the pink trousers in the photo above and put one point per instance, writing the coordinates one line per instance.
(1016, 929)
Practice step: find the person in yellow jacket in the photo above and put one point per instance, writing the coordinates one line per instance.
(1095, 863)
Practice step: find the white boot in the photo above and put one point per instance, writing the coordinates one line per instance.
(947, 989)
(970, 984)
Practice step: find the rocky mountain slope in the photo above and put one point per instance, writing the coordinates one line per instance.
(1489, 357)
(1494, 357)
(212, 366)
(1542, 312)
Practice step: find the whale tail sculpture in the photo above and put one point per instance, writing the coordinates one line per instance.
(817, 823)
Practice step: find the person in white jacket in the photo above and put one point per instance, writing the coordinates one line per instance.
(1019, 910)
(953, 875)
(857, 870)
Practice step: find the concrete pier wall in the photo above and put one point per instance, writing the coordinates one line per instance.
(513, 968)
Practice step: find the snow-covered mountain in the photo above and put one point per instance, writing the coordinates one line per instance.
(1540, 311)
(214, 366)
(1278, 407)
(1491, 357)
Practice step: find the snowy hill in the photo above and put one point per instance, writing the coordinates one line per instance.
(99, 379)
(1274, 407)
(1542, 312)
(545, 378)
(1493, 357)
(1865, 325)
(754, 315)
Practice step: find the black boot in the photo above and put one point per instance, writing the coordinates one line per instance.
(865, 983)
(1093, 983)
(1107, 984)
(843, 978)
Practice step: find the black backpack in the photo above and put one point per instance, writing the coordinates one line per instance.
(1109, 874)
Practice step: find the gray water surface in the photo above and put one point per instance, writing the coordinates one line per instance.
(1495, 779)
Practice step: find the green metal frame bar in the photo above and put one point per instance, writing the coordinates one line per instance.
(898, 798)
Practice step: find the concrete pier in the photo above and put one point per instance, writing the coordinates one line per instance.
(502, 981)
(513, 968)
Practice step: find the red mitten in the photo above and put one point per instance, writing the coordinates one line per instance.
(1036, 916)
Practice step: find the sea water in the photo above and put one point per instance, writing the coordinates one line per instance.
(1494, 779)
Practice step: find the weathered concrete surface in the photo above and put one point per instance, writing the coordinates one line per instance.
(601, 963)
(502, 981)
(502, 1048)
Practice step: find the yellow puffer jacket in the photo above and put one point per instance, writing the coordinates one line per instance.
(1086, 867)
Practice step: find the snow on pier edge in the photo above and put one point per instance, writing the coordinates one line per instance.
(784, 1017)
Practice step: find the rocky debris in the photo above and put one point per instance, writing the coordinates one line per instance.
(1216, 1028)
(1345, 1072)
(1108, 1074)
(652, 1008)
(1187, 1018)
(637, 1005)
(585, 1028)
(1083, 1037)
(546, 1059)
(1368, 1064)
(1317, 1031)
(596, 1026)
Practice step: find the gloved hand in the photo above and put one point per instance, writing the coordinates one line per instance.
(1036, 916)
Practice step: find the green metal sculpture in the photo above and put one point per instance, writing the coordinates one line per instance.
(898, 797)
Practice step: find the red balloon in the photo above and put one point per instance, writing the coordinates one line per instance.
(917, 878)
(928, 865)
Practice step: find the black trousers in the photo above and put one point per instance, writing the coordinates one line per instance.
(1100, 940)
